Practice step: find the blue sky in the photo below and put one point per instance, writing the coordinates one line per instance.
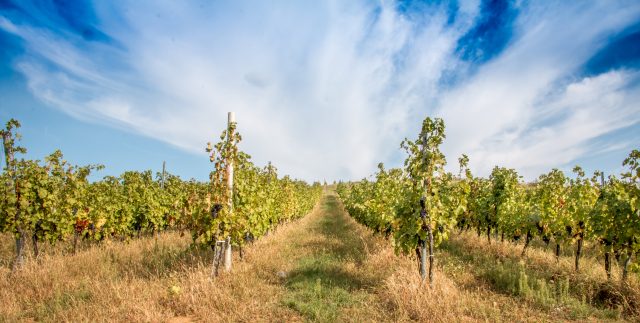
(323, 89)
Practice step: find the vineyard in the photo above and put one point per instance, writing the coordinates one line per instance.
(420, 206)
(53, 201)
(155, 243)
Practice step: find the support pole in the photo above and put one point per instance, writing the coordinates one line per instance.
(227, 252)
(163, 174)
(422, 244)
(426, 217)
(9, 150)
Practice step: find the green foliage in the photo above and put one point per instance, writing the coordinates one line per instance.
(567, 210)
(53, 200)
(39, 199)
(551, 198)
(615, 218)
(258, 202)
(505, 211)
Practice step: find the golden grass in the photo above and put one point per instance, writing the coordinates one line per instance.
(334, 270)
(133, 281)
(402, 297)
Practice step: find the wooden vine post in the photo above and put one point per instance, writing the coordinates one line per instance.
(426, 219)
(607, 252)
(422, 243)
(9, 142)
(163, 174)
(229, 164)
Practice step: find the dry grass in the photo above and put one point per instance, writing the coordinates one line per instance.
(132, 282)
(324, 267)
(476, 263)
(402, 297)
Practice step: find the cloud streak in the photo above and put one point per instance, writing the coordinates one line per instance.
(329, 89)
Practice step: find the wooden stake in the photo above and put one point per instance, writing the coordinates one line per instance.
(227, 252)
(426, 219)
(163, 172)
(9, 150)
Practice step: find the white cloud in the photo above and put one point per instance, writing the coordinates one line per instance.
(329, 89)
(587, 109)
(509, 113)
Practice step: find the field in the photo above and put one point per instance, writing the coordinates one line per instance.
(324, 267)
(320, 161)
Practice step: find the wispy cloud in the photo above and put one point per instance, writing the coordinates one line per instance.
(529, 108)
(328, 89)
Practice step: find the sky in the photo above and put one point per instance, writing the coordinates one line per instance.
(325, 90)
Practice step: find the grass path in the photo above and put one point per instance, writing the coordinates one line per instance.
(327, 280)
